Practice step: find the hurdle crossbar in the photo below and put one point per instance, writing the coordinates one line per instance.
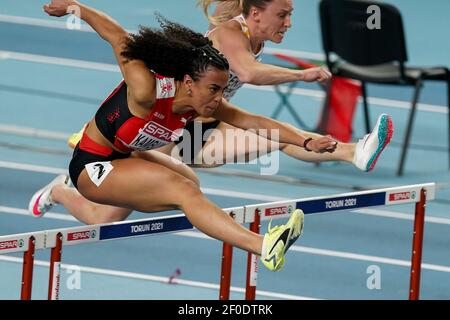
(253, 214)
(419, 194)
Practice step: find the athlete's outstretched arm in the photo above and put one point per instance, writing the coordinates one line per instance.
(137, 76)
(239, 118)
(236, 48)
(105, 26)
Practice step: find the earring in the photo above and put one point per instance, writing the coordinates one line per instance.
(189, 92)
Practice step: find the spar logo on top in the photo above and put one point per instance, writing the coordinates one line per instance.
(11, 244)
(401, 197)
(82, 235)
(278, 211)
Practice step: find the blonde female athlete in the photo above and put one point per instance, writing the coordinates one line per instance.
(171, 76)
(239, 29)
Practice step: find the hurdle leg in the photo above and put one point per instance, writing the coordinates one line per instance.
(252, 263)
(55, 269)
(416, 259)
(27, 270)
(225, 274)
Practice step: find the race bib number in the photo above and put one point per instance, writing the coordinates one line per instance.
(98, 171)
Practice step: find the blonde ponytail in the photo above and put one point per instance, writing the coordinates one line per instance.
(227, 9)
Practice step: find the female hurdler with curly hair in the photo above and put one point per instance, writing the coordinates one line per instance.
(171, 76)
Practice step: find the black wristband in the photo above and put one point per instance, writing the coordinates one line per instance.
(305, 143)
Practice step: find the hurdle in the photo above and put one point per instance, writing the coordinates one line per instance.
(57, 239)
(254, 214)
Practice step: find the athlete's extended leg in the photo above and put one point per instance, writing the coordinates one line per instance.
(90, 212)
(228, 144)
(247, 145)
(150, 187)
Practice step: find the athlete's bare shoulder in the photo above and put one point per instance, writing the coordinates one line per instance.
(227, 33)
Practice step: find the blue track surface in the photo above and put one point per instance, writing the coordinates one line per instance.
(60, 98)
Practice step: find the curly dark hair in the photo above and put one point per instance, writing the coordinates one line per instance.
(174, 51)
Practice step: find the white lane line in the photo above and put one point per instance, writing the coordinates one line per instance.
(297, 91)
(399, 215)
(153, 278)
(371, 100)
(316, 251)
(363, 257)
(242, 195)
(83, 64)
(48, 215)
(47, 23)
(58, 24)
(33, 132)
(31, 167)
